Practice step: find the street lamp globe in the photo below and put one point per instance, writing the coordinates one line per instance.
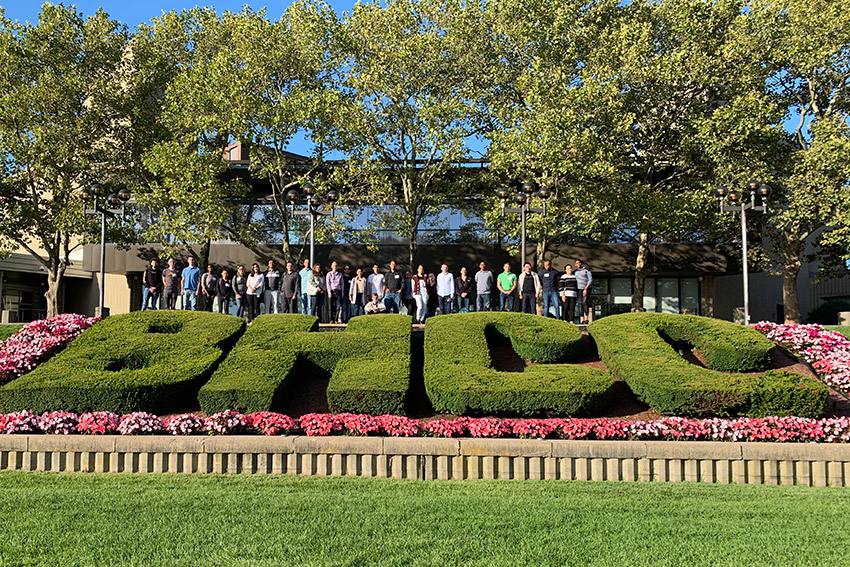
(753, 185)
(765, 191)
(333, 195)
(113, 200)
(721, 191)
(544, 193)
(520, 198)
(503, 193)
(124, 195)
(96, 189)
(529, 187)
(734, 196)
(292, 195)
(85, 194)
(308, 189)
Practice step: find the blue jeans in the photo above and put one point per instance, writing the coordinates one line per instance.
(391, 302)
(190, 300)
(462, 303)
(305, 304)
(356, 310)
(482, 302)
(503, 297)
(311, 305)
(346, 308)
(147, 295)
(445, 304)
(551, 300)
(240, 306)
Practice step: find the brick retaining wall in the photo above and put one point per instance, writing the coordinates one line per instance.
(430, 458)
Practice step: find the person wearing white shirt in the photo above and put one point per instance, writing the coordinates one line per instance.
(254, 292)
(376, 283)
(445, 289)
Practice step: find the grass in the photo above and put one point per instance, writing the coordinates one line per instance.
(88, 519)
(845, 330)
(9, 329)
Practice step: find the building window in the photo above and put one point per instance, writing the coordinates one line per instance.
(690, 295)
(649, 303)
(621, 291)
(668, 295)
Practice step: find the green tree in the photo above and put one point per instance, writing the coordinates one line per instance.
(244, 79)
(610, 102)
(412, 98)
(790, 127)
(61, 128)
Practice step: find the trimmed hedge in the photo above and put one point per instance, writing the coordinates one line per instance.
(9, 329)
(460, 379)
(368, 365)
(635, 347)
(153, 361)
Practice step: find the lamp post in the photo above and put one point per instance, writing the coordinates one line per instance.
(113, 201)
(739, 203)
(523, 199)
(312, 201)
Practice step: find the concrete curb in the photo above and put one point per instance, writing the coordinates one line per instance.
(427, 458)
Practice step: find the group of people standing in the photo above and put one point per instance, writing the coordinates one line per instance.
(348, 295)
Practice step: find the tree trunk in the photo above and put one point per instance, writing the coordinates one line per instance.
(285, 247)
(540, 257)
(55, 281)
(640, 272)
(411, 250)
(792, 265)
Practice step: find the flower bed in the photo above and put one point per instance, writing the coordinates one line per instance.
(827, 351)
(38, 341)
(770, 429)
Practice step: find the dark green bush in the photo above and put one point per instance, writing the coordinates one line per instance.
(827, 313)
(368, 365)
(151, 361)
(634, 346)
(460, 379)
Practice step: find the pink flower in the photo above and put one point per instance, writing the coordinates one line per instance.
(271, 423)
(184, 424)
(38, 341)
(98, 423)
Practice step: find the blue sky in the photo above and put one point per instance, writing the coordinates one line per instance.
(133, 13)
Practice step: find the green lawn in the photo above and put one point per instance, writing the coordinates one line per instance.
(843, 330)
(9, 329)
(88, 519)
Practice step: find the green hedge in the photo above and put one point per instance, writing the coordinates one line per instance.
(151, 361)
(9, 329)
(633, 347)
(460, 379)
(368, 365)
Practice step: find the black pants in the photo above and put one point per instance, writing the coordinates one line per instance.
(171, 298)
(529, 303)
(583, 304)
(411, 307)
(336, 295)
(223, 304)
(253, 310)
(289, 304)
(568, 309)
(208, 301)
